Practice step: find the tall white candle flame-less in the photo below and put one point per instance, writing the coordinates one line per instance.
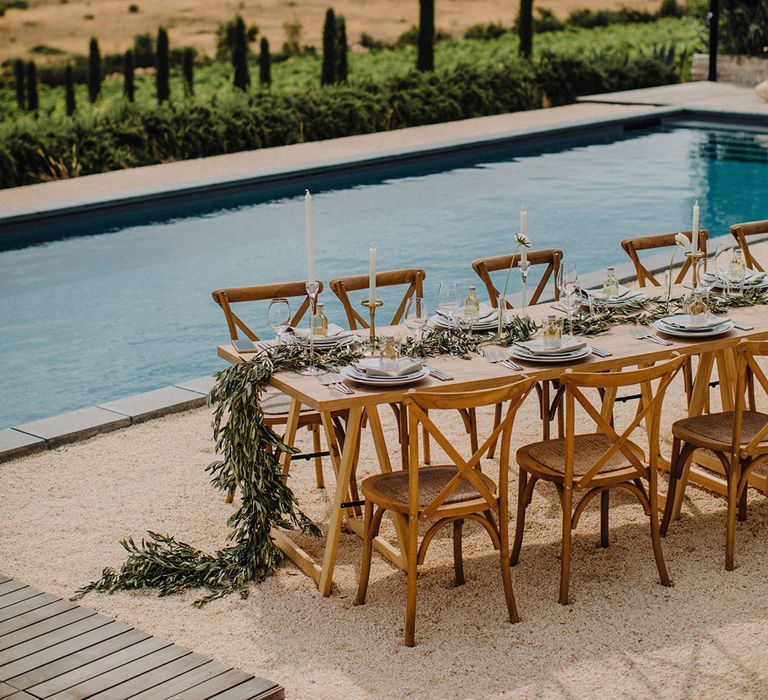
(523, 233)
(372, 274)
(695, 228)
(311, 277)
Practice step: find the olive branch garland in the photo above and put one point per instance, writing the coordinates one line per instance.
(251, 457)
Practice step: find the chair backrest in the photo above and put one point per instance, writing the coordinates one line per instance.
(741, 231)
(261, 292)
(342, 286)
(420, 403)
(748, 370)
(551, 258)
(631, 247)
(602, 416)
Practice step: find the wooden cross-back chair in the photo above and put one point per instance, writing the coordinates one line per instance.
(445, 494)
(739, 439)
(632, 246)
(342, 286)
(274, 403)
(551, 258)
(584, 464)
(743, 231)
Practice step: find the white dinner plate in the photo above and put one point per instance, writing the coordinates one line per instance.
(352, 374)
(325, 343)
(579, 354)
(724, 327)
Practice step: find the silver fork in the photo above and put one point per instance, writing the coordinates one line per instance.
(333, 381)
(498, 356)
(641, 334)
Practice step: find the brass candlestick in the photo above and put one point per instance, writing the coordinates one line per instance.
(694, 257)
(372, 326)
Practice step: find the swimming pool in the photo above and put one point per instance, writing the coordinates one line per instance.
(127, 308)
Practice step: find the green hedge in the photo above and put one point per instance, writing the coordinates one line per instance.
(34, 150)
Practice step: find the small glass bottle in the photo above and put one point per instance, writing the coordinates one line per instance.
(472, 305)
(389, 354)
(320, 322)
(697, 308)
(552, 333)
(737, 270)
(610, 284)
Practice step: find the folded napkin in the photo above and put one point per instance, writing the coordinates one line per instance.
(625, 294)
(372, 367)
(334, 331)
(487, 312)
(686, 322)
(567, 345)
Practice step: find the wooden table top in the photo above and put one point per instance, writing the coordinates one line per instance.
(477, 373)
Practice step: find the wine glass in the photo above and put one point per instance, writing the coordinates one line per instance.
(279, 316)
(723, 255)
(416, 315)
(568, 284)
(448, 301)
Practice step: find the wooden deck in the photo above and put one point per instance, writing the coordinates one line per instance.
(53, 648)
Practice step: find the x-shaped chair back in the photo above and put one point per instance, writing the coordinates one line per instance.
(741, 231)
(608, 383)
(551, 258)
(342, 286)
(418, 405)
(227, 296)
(748, 370)
(631, 247)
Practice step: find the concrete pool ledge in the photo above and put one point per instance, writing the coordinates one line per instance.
(49, 433)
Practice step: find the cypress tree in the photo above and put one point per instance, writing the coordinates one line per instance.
(265, 63)
(330, 62)
(32, 99)
(525, 28)
(342, 48)
(188, 71)
(242, 77)
(21, 90)
(426, 56)
(69, 91)
(162, 73)
(129, 89)
(94, 70)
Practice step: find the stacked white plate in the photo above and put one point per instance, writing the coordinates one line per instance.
(487, 320)
(626, 297)
(752, 280)
(682, 326)
(571, 348)
(357, 373)
(335, 336)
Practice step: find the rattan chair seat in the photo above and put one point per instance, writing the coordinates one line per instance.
(547, 458)
(394, 486)
(716, 429)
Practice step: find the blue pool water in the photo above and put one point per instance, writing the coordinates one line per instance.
(88, 319)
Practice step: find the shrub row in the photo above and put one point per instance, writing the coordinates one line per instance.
(36, 150)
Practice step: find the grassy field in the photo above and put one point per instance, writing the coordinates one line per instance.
(66, 25)
(300, 73)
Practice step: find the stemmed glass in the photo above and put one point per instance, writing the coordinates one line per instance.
(568, 283)
(448, 300)
(312, 370)
(723, 255)
(416, 317)
(279, 316)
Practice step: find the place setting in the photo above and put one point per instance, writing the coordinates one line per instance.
(551, 346)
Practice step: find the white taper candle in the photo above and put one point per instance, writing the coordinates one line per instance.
(523, 232)
(695, 228)
(310, 237)
(372, 274)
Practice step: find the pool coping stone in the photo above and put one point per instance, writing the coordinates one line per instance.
(152, 404)
(14, 443)
(74, 425)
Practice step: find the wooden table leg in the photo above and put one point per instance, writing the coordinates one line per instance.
(342, 484)
(289, 438)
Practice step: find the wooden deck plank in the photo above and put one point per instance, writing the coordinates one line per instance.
(115, 676)
(97, 667)
(70, 654)
(17, 596)
(44, 627)
(10, 587)
(33, 617)
(25, 606)
(154, 678)
(86, 624)
(255, 688)
(176, 686)
(217, 685)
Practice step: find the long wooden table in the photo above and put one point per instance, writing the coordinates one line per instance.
(477, 373)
